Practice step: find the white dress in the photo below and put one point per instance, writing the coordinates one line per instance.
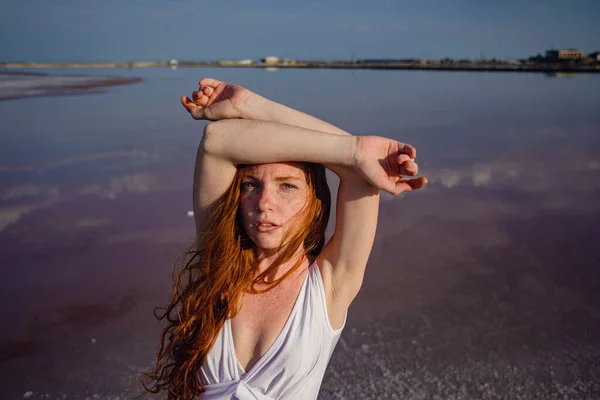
(294, 365)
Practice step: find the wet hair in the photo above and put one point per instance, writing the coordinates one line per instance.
(216, 272)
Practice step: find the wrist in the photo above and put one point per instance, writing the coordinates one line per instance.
(355, 153)
(252, 107)
(351, 146)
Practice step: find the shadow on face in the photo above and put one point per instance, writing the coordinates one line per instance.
(272, 198)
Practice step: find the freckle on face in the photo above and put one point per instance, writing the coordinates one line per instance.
(271, 198)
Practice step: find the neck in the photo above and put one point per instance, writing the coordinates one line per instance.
(265, 259)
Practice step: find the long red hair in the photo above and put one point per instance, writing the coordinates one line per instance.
(216, 272)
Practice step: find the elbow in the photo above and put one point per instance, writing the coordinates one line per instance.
(211, 138)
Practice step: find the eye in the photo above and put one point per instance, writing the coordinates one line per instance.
(249, 185)
(289, 186)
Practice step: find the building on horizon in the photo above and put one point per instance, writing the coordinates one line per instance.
(564, 54)
(270, 60)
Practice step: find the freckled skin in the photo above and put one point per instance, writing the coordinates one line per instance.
(266, 195)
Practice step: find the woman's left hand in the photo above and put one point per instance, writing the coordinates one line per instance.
(385, 163)
(215, 100)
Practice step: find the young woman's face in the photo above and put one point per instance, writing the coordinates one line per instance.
(272, 196)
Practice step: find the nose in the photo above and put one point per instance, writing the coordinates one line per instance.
(265, 199)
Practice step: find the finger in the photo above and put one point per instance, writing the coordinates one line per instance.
(408, 185)
(196, 111)
(408, 149)
(187, 103)
(209, 82)
(199, 98)
(402, 158)
(208, 91)
(409, 168)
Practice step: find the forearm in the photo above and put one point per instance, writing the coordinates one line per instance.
(256, 142)
(259, 108)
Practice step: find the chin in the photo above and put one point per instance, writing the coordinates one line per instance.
(267, 244)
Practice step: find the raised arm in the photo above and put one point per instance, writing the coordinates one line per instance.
(223, 100)
(227, 143)
(364, 164)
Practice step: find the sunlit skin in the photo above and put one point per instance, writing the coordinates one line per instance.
(275, 201)
(217, 100)
(271, 203)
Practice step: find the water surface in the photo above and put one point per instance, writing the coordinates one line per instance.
(483, 285)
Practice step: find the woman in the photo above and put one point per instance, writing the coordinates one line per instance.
(260, 305)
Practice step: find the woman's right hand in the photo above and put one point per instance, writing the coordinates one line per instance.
(215, 100)
(387, 164)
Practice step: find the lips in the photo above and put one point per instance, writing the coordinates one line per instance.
(265, 226)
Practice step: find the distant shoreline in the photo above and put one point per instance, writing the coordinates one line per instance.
(422, 66)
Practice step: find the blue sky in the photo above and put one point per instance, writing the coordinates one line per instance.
(123, 30)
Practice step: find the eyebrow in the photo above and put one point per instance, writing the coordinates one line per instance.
(279, 178)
